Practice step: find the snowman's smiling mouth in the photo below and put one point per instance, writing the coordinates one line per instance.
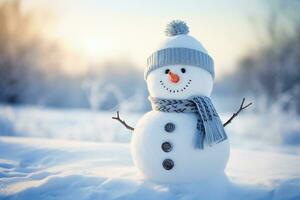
(175, 90)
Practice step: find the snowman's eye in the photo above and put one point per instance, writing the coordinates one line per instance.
(167, 71)
(183, 70)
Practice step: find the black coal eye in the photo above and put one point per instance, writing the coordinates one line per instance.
(182, 70)
(167, 71)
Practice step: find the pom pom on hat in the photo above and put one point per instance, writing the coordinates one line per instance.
(177, 27)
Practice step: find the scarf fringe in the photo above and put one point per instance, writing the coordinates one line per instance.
(214, 134)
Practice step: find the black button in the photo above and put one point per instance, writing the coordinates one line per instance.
(169, 127)
(168, 164)
(166, 146)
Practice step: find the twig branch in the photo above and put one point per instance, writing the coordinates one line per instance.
(122, 121)
(242, 107)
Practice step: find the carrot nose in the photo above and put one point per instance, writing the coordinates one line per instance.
(174, 78)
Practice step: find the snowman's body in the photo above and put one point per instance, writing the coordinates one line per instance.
(190, 164)
(164, 143)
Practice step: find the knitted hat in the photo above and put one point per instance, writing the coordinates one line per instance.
(180, 49)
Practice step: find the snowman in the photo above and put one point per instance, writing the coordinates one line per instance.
(182, 139)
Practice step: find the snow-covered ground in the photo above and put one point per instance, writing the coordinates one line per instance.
(60, 169)
(79, 154)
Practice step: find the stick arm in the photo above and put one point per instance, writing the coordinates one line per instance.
(122, 122)
(241, 108)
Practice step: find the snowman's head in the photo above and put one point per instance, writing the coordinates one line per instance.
(181, 67)
(179, 82)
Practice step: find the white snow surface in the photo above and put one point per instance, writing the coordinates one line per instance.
(33, 168)
(79, 154)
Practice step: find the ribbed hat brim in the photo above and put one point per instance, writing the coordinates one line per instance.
(179, 56)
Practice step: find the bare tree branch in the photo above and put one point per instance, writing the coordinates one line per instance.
(242, 107)
(122, 121)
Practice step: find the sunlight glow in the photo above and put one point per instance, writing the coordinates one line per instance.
(100, 31)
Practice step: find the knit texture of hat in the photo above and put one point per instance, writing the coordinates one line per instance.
(178, 55)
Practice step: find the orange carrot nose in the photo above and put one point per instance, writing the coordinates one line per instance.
(174, 78)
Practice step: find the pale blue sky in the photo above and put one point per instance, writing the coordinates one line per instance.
(130, 30)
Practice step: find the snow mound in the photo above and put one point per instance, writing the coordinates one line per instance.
(58, 169)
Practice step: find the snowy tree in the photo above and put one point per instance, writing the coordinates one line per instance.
(14, 45)
(31, 67)
(274, 68)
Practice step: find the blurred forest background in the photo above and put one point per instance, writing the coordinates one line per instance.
(33, 69)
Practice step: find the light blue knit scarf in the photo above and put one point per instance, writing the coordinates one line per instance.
(209, 125)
